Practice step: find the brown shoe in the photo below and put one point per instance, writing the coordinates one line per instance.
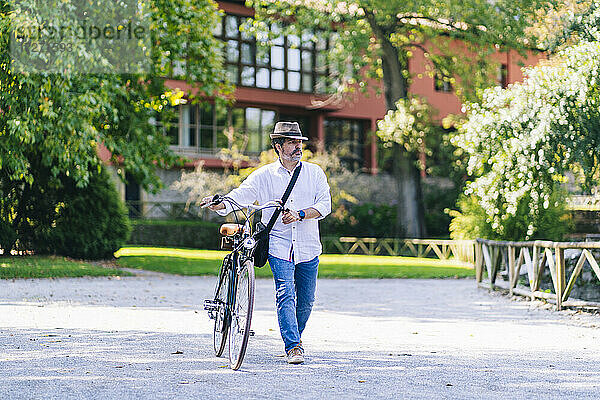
(295, 355)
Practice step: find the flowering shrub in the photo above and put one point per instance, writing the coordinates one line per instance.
(408, 125)
(522, 141)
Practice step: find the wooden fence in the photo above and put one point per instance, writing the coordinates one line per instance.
(492, 256)
(463, 250)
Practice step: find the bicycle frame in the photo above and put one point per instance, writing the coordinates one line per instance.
(231, 290)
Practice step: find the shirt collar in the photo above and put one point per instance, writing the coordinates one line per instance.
(280, 165)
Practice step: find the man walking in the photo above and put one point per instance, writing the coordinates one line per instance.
(294, 244)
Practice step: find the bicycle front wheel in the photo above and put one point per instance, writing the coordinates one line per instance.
(241, 315)
(221, 316)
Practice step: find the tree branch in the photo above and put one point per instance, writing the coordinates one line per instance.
(395, 84)
(434, 20)
(463, 34)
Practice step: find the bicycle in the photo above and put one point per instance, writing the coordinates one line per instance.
(233, 302)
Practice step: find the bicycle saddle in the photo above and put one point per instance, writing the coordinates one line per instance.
(230, 229)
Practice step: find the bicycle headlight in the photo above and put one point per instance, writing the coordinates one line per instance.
(249, 243)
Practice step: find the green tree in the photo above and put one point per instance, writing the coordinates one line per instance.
(375, 39)
(54, 121)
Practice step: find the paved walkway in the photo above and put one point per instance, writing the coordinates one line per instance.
(146, 337)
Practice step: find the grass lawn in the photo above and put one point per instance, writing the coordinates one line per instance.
(207, 262)
(51, 267)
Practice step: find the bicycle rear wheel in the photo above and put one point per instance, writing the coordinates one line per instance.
(241, 315)
(221, 316)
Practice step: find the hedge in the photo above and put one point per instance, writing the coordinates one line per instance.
(188, 234)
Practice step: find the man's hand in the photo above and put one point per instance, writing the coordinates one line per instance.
(209, 199)
(289, 216)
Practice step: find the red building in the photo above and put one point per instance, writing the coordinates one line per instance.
(284, 84)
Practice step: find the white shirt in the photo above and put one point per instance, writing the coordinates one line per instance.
(298, 241)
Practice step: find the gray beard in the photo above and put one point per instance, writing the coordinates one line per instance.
(293, 157)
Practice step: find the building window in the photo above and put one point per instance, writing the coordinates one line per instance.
(168, 124)
(252, 127)
(441, 83)
(346, 137)
(205, 128)
(293, 63)
(201, 126)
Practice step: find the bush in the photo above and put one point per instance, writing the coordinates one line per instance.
(379, 220)
(190, 234)
(551, 223)
(52, 215)
(526, 141)
(34, 208)
(438, 196)
(363, 220)
(470, 222)
(91, 222)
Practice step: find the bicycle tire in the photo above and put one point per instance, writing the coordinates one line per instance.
(241, 316)
(221, 326)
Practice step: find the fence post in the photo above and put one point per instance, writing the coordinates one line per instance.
(478, 262)
(560, 276)
(496, 263)
(535, 261)
(511, 267)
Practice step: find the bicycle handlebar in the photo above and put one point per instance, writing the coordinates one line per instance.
(272, 203)
(217, 199)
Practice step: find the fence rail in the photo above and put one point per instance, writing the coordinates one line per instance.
(463, 250)
(491, 256)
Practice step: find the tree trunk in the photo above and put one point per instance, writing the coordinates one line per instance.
(410, 220)
(410, 202)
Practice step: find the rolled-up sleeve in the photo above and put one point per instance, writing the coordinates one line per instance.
(245, 194)
(323, 195)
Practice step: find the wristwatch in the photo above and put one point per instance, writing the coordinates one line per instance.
(301, 214)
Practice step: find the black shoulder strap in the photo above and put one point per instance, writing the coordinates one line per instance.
(288, 190)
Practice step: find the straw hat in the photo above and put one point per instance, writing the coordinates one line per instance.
(287, 130)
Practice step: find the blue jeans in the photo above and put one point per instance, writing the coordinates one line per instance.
(295, 294)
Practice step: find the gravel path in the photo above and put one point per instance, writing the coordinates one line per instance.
(146, 337)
